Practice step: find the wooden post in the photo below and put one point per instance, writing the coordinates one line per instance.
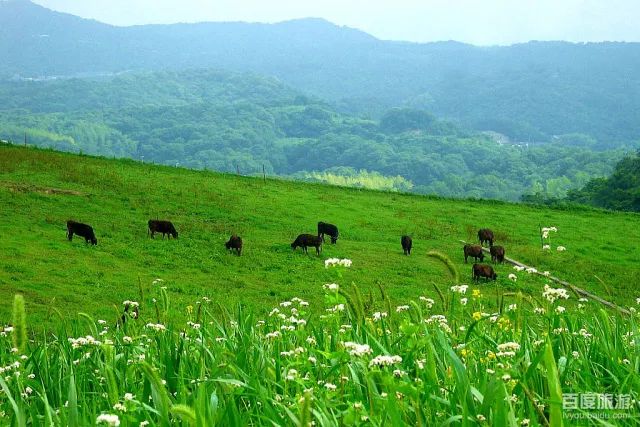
(237, 169)
(541, 238)
(264, 175)
(25, 139)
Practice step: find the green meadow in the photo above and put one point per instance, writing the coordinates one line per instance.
(276, 338)
(40, 190)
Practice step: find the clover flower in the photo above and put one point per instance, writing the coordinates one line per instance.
(156, 326)
(512, 277)
(561, 249)
(402, 308)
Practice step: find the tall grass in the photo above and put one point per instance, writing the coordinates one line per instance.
(422, 363)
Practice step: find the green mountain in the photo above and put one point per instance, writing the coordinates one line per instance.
(529, 92)
(243, 122)
(40, 190)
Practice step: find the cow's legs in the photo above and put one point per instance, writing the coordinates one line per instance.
(70, 235)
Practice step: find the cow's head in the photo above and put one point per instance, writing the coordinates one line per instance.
(94, 241)
(334, 239)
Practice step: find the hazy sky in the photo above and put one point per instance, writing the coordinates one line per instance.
(481, 22)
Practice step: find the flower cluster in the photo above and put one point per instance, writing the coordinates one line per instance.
(508, 349)
(460, 289)
(332, 262)
(552, 294)
(383, 360)
(156, 326)
(356, 349)
(83, 341)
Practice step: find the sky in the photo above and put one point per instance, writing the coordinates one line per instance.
(479, 22)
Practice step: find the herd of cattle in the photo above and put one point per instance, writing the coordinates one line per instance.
(304, 241)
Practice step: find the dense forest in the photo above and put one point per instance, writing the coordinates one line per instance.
(532, 92)
(620, 191)
(230, 121)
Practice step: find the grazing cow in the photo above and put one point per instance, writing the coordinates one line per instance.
(483, 270)
(234, 243)
(82, 230)
(497, 253)
(305, 240)
(485, 235)
(164, 227)
(406, 244)
(330, 229)
(474, 251)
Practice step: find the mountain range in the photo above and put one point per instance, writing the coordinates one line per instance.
(529, 92)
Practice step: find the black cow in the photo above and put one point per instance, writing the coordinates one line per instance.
(406, 244)
(483, 270)
(497, 253)
(82, 230)
(305, 240)
(164, 227)
(234, 243)
(485, 235)
(474, 251)
(330, 229)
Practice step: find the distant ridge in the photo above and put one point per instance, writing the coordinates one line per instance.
(529, 91)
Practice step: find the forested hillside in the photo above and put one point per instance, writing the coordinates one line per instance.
(530, 92)
(228, 122)
(620, 191)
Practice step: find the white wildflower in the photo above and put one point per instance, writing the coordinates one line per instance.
(383, 360)
(379, 315)
(356, 349)
(156, 326)
(552, 294)
(512, 277)
(331, 287)
(429, 302)
(109, 419)
(561, 248)
(460, 289)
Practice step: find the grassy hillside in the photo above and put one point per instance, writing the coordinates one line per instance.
(40, 190)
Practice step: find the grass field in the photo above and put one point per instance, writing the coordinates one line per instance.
(117, 197)
(259, 340)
